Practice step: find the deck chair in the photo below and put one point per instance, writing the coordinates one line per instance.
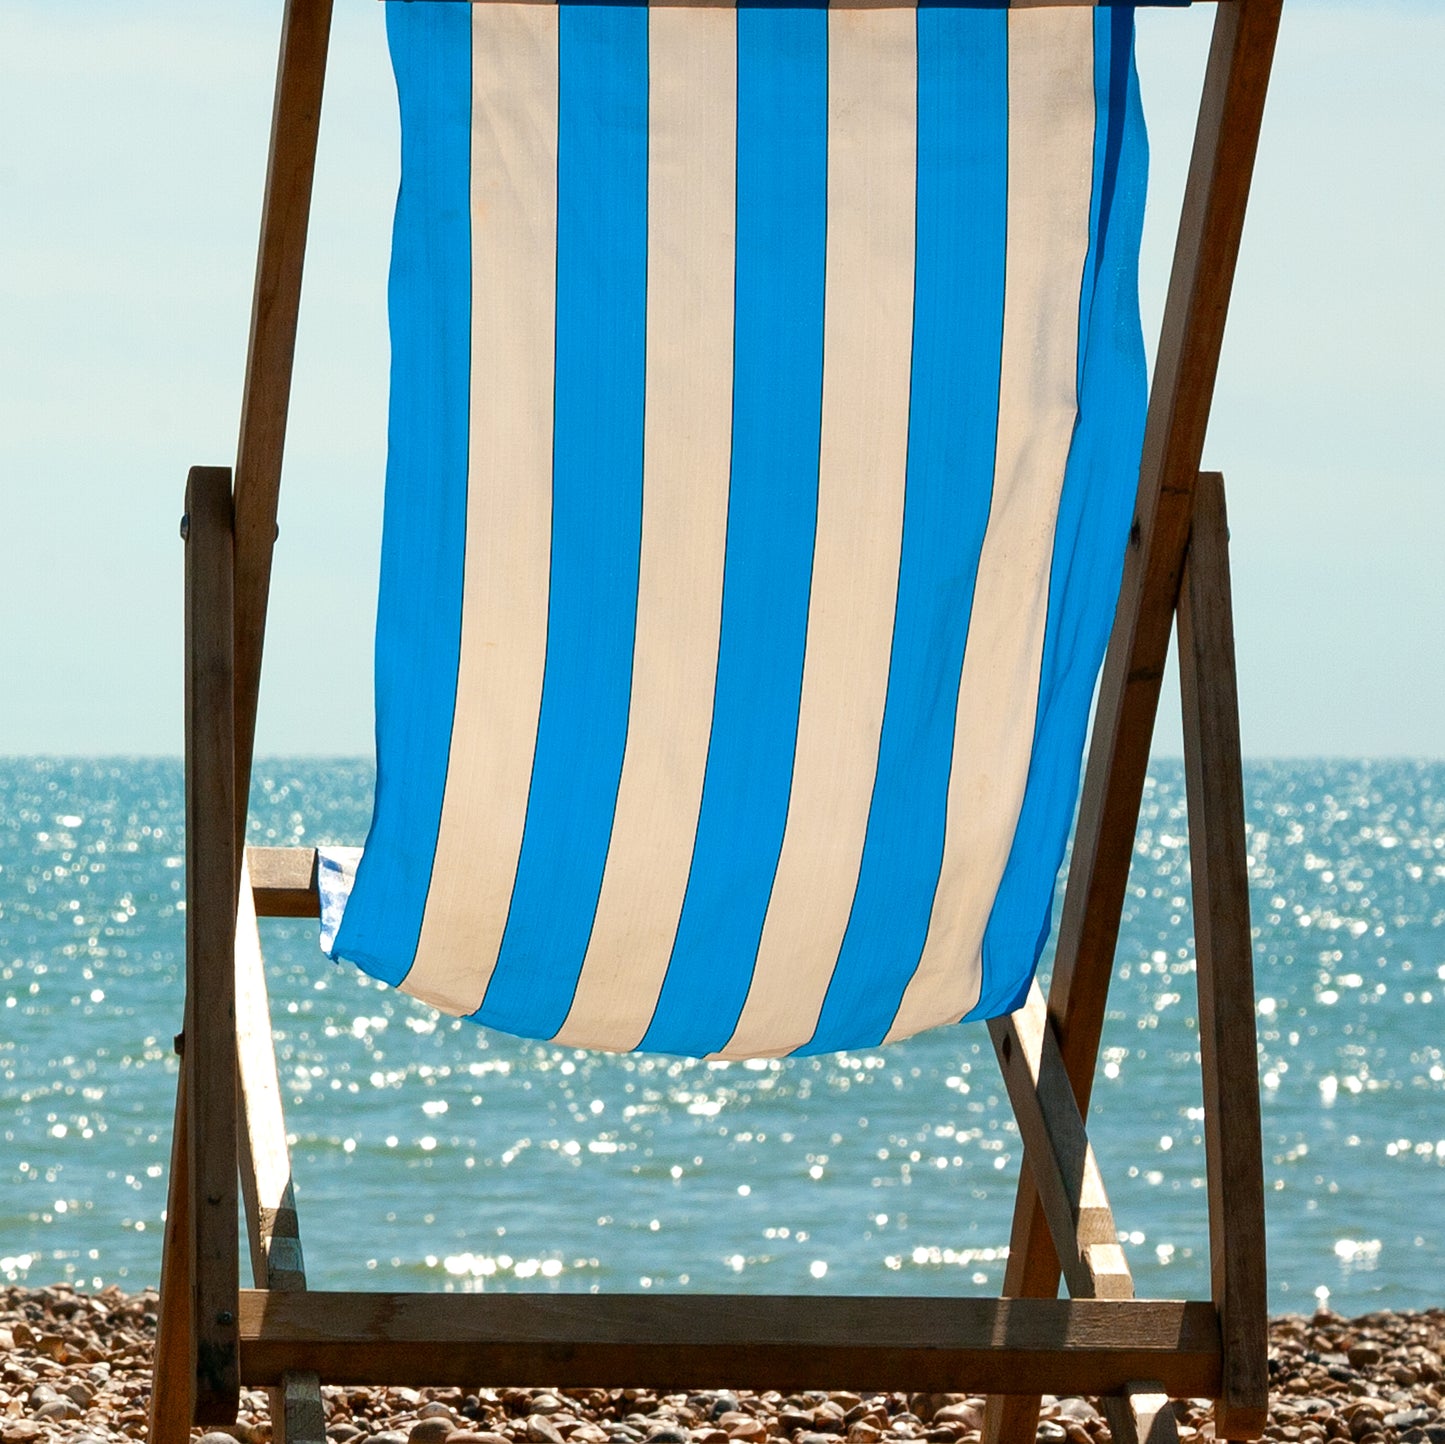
(770, 437)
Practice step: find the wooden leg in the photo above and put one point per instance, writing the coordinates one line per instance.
(296, 1413)
(1014, 1418)
(1225, 969)
(172, 1373)
(1142, 1415)
(211, 881)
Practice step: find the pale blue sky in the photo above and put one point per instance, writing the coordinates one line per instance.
(130, 182)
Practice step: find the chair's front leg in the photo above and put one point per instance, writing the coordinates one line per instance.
(212, 878)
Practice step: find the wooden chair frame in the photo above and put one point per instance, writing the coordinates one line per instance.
(213, 1335)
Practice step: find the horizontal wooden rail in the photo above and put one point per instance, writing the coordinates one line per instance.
(283, 881)
(681, 1341)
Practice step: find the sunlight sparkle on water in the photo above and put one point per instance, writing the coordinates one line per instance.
(608, 1172)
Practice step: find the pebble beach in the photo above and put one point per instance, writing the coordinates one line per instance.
(75, 1367)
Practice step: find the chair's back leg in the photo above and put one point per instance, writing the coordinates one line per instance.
(285, 218)
(285, 215)
(1225, 968)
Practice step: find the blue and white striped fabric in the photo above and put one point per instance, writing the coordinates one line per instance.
(767, 394)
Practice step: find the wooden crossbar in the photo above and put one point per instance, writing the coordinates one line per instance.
(1058, 1154)
(681, 1341)
(283, 881)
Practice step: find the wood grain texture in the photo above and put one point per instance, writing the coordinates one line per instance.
(273, 1228)
(283, 881)
(1058, 1154)
(1211, 222)
(211, 877)
(271, 1222)
(1142, 1415)
(1225, 968)
(297, 1414)
(285, 213)
(686, 1341)
(172, 1374)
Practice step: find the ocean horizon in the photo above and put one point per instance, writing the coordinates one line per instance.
(430, 1153)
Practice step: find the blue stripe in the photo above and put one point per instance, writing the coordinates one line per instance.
(1094, 511)
(962, 214)
(782, 171)
(596, 515)
(418, 630)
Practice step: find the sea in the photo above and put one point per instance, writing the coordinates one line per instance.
(430, 1154)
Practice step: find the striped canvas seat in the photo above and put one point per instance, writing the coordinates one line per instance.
(767, 396)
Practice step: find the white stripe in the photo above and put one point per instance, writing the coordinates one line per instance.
(509, 503)
(691, 215)
(1050, 157)
(863, 462)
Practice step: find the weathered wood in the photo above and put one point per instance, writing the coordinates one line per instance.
(679, 1341)
(271, 1220)
(272, 1226)
(1225, 968)
(297, 1416)
(172, 1376)
(283, 881)
(211, 877)
(1058, 1154)
(1142, 1415)
(285, 214)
